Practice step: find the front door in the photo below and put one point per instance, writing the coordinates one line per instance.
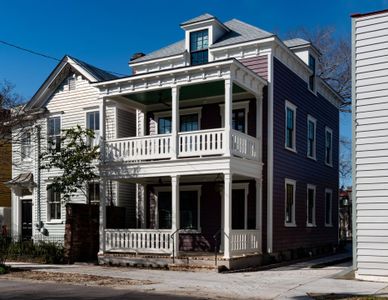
(26, 219)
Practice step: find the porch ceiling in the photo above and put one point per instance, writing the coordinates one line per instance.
(195, 91)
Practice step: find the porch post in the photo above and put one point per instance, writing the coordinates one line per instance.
(175, 121)
(102, 112)
(175, 211)
(228, 114)
(227, 213)
(259, 184)
(102, 215)
(141, 205)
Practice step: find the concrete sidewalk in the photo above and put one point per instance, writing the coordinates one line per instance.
(293, 281)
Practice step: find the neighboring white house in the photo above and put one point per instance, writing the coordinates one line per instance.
(370, 144)
(66, 99)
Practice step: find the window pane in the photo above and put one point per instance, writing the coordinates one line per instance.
(238, 120)
(310, 206)
(189, 122)
(289, 203)
(199, 57)
(238, 209)
(164, 210)
(189, 209)
(328, 208)
(164, 125)
(199, 40)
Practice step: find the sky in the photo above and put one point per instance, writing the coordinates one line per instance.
(107, 33)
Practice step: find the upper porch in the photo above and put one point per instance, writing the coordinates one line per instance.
(211, 110)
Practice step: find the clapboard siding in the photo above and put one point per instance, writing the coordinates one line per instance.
(370, 106)
(297, 166)
(126, 123)
(258, 64)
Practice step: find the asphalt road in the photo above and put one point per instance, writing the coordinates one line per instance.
(14, 289)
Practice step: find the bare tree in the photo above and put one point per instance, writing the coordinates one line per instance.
(334, 65)
(345, 160)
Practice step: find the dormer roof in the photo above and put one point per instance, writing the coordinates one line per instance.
(204, 17)
(296, 43)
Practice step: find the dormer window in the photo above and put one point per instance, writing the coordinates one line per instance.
(312, 77)
(199, 43)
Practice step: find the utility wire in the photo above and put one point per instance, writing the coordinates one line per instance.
(48, 56)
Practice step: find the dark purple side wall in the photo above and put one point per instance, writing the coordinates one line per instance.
(287, 164)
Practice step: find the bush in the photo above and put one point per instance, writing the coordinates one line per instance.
(4, 269)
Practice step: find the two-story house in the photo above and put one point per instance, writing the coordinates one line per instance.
(226, 140)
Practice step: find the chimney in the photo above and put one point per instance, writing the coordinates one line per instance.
(137, 55)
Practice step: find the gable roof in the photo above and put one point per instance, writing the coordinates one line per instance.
(91, 73)
(239, 32)
(297, 42)
(200, 18)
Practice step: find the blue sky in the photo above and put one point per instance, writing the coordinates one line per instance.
(107, 33)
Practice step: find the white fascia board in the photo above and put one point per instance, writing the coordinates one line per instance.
(81, 70)
(156, 60)
(254, 42)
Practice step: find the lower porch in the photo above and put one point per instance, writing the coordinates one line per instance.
(187, 216)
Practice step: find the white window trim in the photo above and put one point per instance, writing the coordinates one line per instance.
(97, 134)
(182, 112)
(293, 107)
(88, 191)
(314, 188)
(329, 191)
(236, 105)
(243, 186)
(293, 183)
(327, 129)
(48, 220)
(196, 188)
(52, 116)
(313, 120)
(71, 77)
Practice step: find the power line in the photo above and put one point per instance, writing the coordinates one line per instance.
(48, 56)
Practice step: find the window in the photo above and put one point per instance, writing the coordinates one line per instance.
(290, 186)
(189, 202)
(328, 146)
(238, 120)
(312, 77)
(71, 81)
(189, 122)
(311, 137)
(93, 123)
(26, 146)
(290, 143)
(328, 207)
(54, 133)
(164, 125)
(310, 205)
(93, 193)
(199, 42)
(53, 204)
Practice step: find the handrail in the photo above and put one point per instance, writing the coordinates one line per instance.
(133, 138)
(201, 131)
(173, 244)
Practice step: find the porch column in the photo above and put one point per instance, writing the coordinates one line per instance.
(259, 184)
(102, 111)
(103, 186)
(228, 114)
(175, 211)
(141, 205)
(259, 123)
(175, 121)
(140, 122)
(227, 213)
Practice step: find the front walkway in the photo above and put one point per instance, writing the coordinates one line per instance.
(293, 281)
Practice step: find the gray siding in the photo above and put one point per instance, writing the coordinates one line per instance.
(370, 111)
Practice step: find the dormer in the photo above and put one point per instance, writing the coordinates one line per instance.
(200, 33)
(306, 51)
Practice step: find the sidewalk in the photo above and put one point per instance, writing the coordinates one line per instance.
(293, 281)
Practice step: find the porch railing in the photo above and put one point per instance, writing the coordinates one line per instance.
(244, 145)
(190, 144)
(244, 241)
(202, 142)
(138, 240)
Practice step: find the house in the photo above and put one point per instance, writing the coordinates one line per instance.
(345, 214)
(223, 142)
(370, 156)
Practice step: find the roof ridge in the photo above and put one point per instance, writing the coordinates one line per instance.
(247, 24)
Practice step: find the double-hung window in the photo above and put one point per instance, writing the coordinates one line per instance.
(238, 120)
(93, 193)
(290, 130)
(54, 133)
(164, 125)
(311, 137)
(26, 146)
(328, 207)
(189, 122)
(93, 123)
(290, 187)
(53, 204)
(328, 146)
(311, 205)
(199, 43)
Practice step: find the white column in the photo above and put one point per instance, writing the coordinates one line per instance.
(102, 109)
(259, 183)
(222, 235)
(175, 210)
(141, 205)
(175, 121)
(228, 115)
(227, 213)
(103, 185)
(140, 123)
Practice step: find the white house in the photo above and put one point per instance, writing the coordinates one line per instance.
(370, 144)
